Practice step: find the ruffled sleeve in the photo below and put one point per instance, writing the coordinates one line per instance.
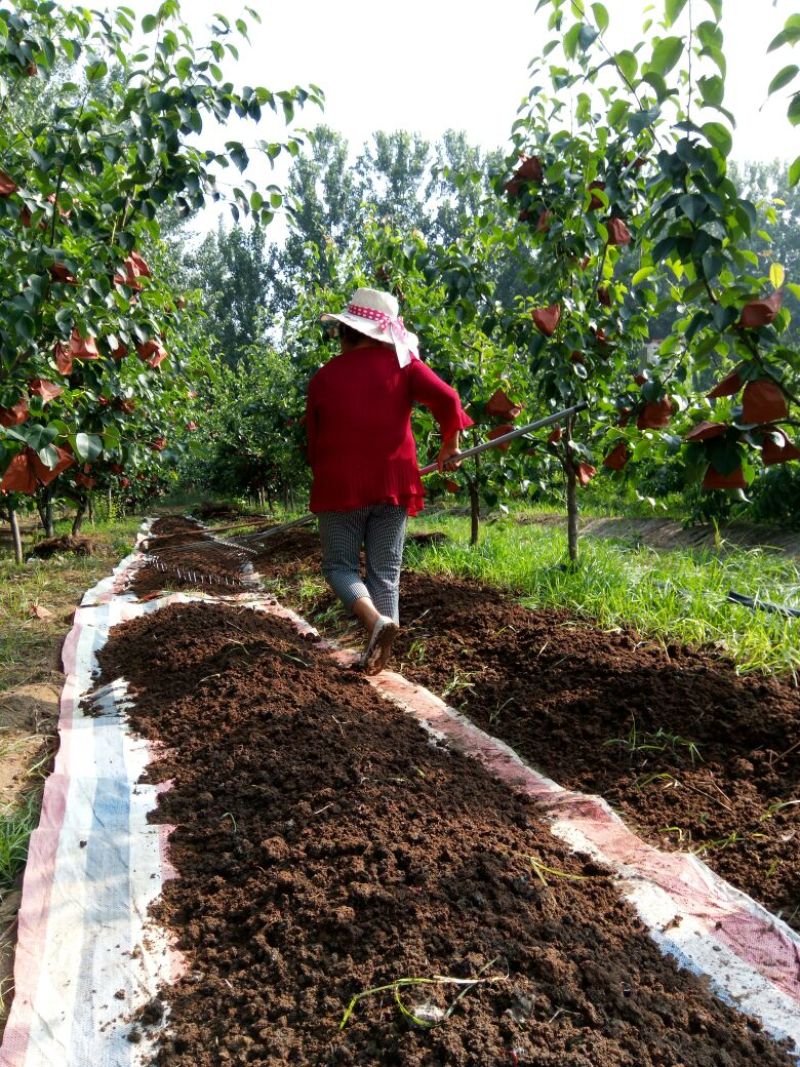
(428, 388)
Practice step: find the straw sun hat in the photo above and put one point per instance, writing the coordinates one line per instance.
(375, 314)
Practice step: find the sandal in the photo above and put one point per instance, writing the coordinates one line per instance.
(379, 648)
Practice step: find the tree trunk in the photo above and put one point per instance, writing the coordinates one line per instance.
(474, 511)
(77, 522)
(90, 508)
(572, 513)
(110, 504)
(15, 534)
(44, 505)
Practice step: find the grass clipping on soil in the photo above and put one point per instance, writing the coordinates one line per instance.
(327, 847)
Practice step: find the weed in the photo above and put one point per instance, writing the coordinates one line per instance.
(540, 870)
(461, 680)
(668, 780)
(426, 1016)
(659, 740)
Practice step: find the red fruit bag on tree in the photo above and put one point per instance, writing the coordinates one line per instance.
(46, 474)
(705, 431)
(715, 480)
(7, 186)
(82, 347)
(655, 416)
(543, 222)
(729, 385)
(46, 390)
(59, 272)
(63, 358)
(596, 202)
(761, 312)
(585, 472)
(14, 416)
(617, 457)
(773, 452)
(502, 406)
(763, 401)
(19, 476)
(618, 232)
(547, 319)
(500, 431)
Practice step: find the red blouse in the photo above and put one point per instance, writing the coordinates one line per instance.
(358, 419)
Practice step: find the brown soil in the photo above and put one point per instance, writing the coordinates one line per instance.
(325, 846)
(690, 753)
(56, 546)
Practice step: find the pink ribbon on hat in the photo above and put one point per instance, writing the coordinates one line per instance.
(386, 321)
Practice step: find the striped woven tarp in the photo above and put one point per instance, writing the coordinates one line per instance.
(87, 955)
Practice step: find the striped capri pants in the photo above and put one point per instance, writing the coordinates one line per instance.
(381, 529)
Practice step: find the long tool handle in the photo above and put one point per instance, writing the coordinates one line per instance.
(558, 416)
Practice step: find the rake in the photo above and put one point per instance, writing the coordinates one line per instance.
(243, 542)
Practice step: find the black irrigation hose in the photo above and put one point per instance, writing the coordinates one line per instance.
(764, 605)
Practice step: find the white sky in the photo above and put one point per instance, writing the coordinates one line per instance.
(427, 65)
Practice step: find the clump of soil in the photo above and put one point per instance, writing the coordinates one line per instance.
(428, 537)
(326, 846)
(65, 545)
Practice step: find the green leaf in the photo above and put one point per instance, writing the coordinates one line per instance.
(149, 23)
(777, 275)
(640, 120)
(666, 54)
(783, 78)
(87, 446)
(642, 275)
(719, 137)
(601, 16)
(794, 110)
(96, 71)
(587, 37)
(693, 206)
(716, 7)
(672, 10)
(49, 456)
(628, 64)
(38, 436)
(658, 84)
(712, 90)
(617, 113)
(794, 172)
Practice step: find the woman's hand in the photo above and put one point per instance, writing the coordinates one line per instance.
(448, 460)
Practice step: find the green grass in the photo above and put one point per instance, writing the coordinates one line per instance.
(17, 823)
(672, 595)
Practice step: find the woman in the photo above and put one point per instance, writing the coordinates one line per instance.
(364, 458)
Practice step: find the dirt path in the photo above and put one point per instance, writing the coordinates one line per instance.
(666, 533)
(325, 847)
